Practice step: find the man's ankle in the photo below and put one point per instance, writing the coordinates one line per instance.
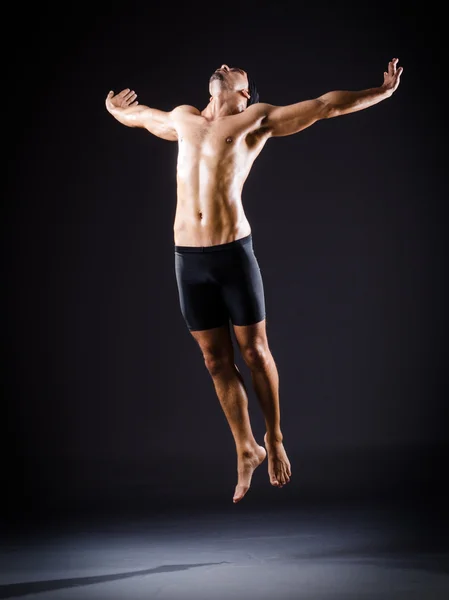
(274, 438)
(247, 449)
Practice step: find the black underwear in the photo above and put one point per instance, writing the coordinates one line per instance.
(218, 283)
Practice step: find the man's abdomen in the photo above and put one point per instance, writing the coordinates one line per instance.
(209, 222)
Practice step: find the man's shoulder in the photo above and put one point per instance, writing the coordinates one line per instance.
(186, 108)
(259, 106)
(258, 111)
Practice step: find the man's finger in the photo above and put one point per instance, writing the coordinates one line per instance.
(130, 94)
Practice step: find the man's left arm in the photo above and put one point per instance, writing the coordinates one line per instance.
(286, 120)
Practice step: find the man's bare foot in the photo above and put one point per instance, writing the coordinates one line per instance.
(247, 462)
(279, 468)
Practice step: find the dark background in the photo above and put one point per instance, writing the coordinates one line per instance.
(108, 402)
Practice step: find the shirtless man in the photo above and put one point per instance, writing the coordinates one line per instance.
(217, 273)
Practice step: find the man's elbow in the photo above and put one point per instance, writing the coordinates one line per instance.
(327, 109)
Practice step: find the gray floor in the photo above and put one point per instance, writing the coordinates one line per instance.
(297, 554)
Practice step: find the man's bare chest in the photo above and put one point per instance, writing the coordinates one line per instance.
(211, 135)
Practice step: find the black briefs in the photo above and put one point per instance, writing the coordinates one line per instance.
(218, 283)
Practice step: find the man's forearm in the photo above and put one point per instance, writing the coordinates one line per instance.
(343, 102)
(132, 116)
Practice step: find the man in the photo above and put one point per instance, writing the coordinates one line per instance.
(217, 273)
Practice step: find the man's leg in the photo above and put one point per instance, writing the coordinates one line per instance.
(218, 352)
(253, 344)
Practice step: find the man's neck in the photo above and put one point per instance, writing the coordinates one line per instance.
(223, 106)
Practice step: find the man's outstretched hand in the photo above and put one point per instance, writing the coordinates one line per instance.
(392, 76)
(123, 99)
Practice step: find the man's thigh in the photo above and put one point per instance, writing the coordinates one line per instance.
(215, 342)
(243, 289)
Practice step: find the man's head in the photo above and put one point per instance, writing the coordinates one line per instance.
(234, 80)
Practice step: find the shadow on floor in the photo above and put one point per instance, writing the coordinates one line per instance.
(15, 590)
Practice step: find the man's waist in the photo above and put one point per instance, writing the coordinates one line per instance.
(242, 241)
(202, 235)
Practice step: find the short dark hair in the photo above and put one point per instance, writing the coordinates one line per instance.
(253, 93)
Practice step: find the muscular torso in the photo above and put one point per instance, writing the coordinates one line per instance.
(214, 160)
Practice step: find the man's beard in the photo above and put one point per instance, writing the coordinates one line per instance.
(216, 75)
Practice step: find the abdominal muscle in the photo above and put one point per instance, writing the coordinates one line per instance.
(218, 221)
(209, 208)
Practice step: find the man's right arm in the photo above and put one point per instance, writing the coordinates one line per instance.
(125, 108)
(286, 120)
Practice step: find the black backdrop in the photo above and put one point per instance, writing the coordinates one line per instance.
(107, 397)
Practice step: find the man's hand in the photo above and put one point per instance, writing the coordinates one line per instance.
(123, 99)
(392, 76)
(125, 108)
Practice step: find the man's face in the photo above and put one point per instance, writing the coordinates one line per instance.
(229, 78)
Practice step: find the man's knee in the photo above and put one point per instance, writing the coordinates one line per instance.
(217, 362)
(217, 348)
(256, 355)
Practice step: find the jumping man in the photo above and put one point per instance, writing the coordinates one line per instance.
(217, 273)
